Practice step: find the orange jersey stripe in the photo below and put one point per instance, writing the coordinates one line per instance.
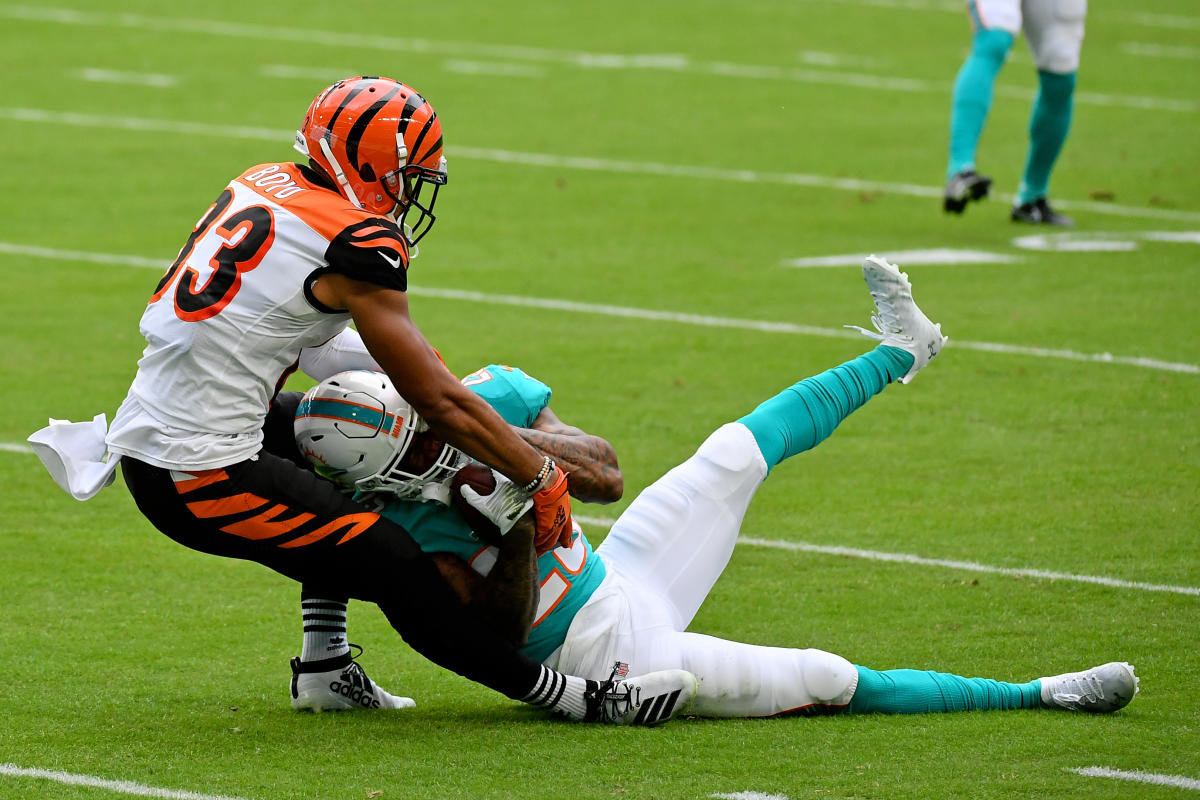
(262, 526)
(324, 210)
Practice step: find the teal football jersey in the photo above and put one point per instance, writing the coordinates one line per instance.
(567, 575)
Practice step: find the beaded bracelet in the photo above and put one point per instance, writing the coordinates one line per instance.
(543, 473)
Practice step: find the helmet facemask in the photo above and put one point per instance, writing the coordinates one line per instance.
(406, 186)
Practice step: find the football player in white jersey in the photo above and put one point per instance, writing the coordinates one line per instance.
(1054, 30)
(629, 601)
(269, 279)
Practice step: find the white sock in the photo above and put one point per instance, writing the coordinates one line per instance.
(324, 629)
(559, 692)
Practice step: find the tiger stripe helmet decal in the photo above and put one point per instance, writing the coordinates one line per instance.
(381, 143)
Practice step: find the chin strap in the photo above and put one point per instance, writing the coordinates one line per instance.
(338, 174)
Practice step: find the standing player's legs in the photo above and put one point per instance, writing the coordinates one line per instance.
(1054, 29)
(325, 676)
(268, 510)
(995, 24)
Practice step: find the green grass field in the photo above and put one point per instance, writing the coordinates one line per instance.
(670, 159)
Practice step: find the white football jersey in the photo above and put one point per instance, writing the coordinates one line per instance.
(227, 322)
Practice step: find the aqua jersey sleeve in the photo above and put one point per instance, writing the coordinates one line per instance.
(517, 397)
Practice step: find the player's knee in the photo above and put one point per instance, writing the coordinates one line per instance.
(1059, 55)
(829, 678)
(732, 447)
(992, 44)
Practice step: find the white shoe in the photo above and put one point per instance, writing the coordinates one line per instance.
(1098, 690)
(342, 689)
(649, 699)
(899, 322)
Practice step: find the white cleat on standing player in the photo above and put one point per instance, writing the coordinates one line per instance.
(345, 688)
(899, 322)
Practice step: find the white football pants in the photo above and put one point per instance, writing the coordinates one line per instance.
(663, 556)
(1053, 28)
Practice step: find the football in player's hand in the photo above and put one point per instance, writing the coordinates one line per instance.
(481, 479)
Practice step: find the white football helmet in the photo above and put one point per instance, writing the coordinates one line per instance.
(356, 430)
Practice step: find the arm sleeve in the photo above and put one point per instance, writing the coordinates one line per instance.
(342, 352)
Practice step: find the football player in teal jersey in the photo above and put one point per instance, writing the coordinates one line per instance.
(1054, 30)
(626, 604)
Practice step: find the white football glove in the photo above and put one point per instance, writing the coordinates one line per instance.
(504, 506)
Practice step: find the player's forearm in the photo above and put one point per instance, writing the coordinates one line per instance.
(589, 461)
(462, 419)
(454, 413)
(507, 598)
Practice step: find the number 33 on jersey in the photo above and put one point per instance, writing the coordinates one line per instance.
(227, 322)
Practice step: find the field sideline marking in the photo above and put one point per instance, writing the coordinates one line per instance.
(641, 168)
(907, 558)
(1178, 781)
(92, 781)
(647, 313)
(672, 62)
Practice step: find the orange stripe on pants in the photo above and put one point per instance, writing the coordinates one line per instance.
(356, 522)
(262, 527)
(200, 479)
(226, 506)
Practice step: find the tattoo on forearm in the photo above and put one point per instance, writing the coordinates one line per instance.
(589, 460)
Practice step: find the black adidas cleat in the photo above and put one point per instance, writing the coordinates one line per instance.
(962, 188)
(1039, 212)
(649, 699)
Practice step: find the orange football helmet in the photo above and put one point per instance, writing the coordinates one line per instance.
(382, 143)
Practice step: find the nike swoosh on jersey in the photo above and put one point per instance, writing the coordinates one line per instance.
(395, 262)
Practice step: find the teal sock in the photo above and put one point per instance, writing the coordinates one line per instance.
(803, 415)
(910, 691)
(1048, 126)
(973, 96)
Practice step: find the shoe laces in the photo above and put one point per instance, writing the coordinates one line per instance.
(615, 698)
(1083, 686)
(884, 320)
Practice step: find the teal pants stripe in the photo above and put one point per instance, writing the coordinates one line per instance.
(910, 691)
(803, 415)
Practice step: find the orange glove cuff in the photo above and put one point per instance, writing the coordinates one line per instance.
(552, 514)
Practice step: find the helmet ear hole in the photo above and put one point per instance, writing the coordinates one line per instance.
(367, 172)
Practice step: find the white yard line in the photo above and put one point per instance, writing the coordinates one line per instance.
(1161, 50)
(969, 566)
(153, 79)
(702, 320)
(95, 782)
(642, 168)
(584, 59)
(907, 258)
(1177, 781)
(13, 447)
